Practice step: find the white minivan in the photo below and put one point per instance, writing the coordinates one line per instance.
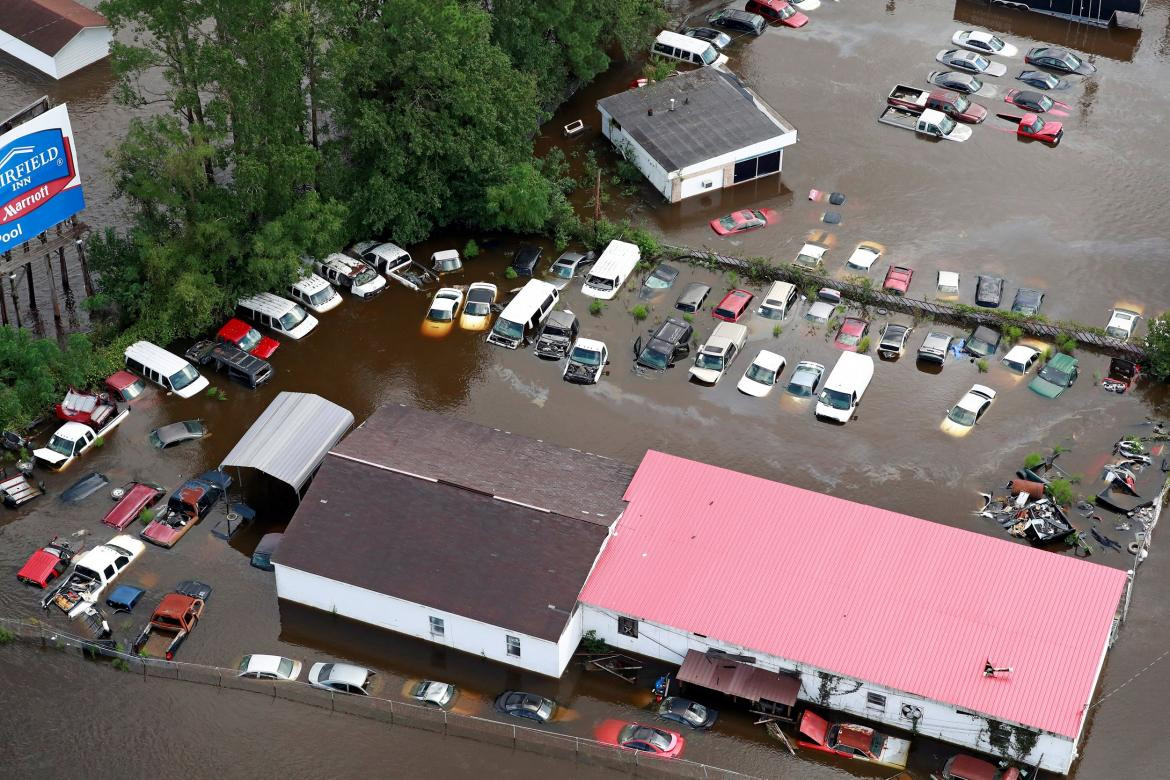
(279, 314)
(520, 320)
(845, 386)
(612, 269)
(165, 369)
(686, 49)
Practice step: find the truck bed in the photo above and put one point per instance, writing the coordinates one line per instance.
(899, 117)
(157, 643)
(908, 97)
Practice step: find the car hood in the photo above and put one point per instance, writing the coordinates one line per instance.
(831, 413)
(1044, 387)
(753, 388)
(952, 428)
(708, 375)
(50, 457)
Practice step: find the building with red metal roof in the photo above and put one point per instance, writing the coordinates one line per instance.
(973, 640)
(57, 37)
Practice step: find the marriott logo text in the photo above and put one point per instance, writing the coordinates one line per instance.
(22, 169)
(14, 208)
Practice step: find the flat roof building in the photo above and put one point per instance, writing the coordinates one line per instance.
(56, 37)
(928, 628)
(696, 132)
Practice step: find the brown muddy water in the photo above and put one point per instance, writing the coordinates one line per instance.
(1085, 221)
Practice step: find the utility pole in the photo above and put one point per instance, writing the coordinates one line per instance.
(596, 203)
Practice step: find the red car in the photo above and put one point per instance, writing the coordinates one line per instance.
(779, 11)
(743, 221)
(247, 338)
(1032, 126)
(850, 334)
(125, 385)
(853, 741)
(93, 409)
(963, 767)
(634, 736)
(130, 506)
(898, 279)
(46, 564)
(733, 305)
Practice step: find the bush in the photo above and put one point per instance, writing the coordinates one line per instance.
(510, 273)
(982, 365)
(1012, 334)
(145, 516)
(639, 312)
(6, 636)
(1061, 491)
(733, 278)
(592, 643)
(688, 317)
(776, 331)
(1033, 460)
(471, 249)
(1066, 344)
(1158, 347)
(596, 307)
(863, 345)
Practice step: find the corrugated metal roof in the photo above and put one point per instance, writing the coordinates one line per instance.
(47, 25)
(860, 591)
(291, 438)
(742, 680)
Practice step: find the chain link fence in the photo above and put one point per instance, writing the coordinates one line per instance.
(579, 750)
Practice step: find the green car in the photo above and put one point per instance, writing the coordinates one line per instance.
(1057, 375)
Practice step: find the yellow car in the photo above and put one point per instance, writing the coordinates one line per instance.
(442, 312)
(477, 314)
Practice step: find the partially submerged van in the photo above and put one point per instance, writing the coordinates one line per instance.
(521, 319)
(686, 49)
(279, 314)
(612, 269)
(845, 386)
(779, 301)
(165, 369)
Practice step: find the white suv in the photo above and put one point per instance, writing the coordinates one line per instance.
(715, 357)
(351, 274)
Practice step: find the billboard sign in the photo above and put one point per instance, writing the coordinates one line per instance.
(39, 182)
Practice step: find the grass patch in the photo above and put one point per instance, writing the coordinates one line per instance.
(776, 331)
(1061, 491)
(688, 317)
(640, 313)
(145, 516)
(1033, 460)
(6, 636)
(1012, 334)
(863, 345)
(1066, 344)
(471, 249)
(596, 307)
(510, 273)
(982, 365)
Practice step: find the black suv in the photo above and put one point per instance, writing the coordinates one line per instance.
(740, 21)
(667, 343)
(525, 260)
(248, 370)
(560, 329)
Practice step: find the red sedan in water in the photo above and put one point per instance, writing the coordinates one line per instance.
(247, 338)
(898, 279)
(733, 305)
(1032, 126)
(778, 11)
(850, 334)
(663, 743)
(743, 221)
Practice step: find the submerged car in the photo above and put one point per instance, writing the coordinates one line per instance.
(350, 273)
(177, 433)
(477, 312)
(567, 266)
(968, 411)
(133, 499)
(984, 43)
(665, 344)
(557, 335)
(853, 741)
(1029, 100)
(744, 220)
(1038, 79)
(779, 11)
(526, 259)
(893, 341)
(805, 379)
(526, 705)
(247, 338)
(983, 342)
(314, 293)
(956, 82)
(341, 678)
(989, 291)
(1033, 127)
(733, 306)
(1028, 301)
(441, 315)
(823, 307)
(661, 278)
(811, 256)
(1058, 375)
(740, 21)
(850, 334)
(1020, 359)
(762, 374)
(970, 62)
(935, 347)
(186, 507)
(1122, 323)
(687, 712)
(863, 257)
(898, 279)
(434, 694)
(126, 386)
(634, 736)
(714, 37)
(587, 360)
(963, 767)
(1058, 59)
(446, 261)
(269, 667)
(947, 284)
(692, 298)
(718, 352)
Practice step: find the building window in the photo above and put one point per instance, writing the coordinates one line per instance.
(755, 167)
(437, 627)
(513, 646)
(875, 701)
(628, 627)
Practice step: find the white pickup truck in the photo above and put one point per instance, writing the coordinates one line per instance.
(930, 122)
(72, 439)
(715, 356)
(92, 573)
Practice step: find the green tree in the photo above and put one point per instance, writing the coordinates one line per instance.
(1158, 347)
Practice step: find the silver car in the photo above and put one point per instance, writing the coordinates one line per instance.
(935, 347)
(435, 694)
(341, 678)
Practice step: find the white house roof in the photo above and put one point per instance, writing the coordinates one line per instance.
(714, 114)
(291, 438)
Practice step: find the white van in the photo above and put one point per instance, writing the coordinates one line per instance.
(686, 49)
(778, 302)
(612, 269)
(520, 320)
(279, 314)
(165, 369)
(846, 384)
(315, 294)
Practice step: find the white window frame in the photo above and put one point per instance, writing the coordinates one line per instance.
(513, 645)
(438, 626)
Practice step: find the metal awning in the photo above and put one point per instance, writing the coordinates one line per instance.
(738, 679)
(291, 438)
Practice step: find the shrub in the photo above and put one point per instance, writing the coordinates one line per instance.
(982, 365)
(510, 273)
(592, 643)
(863, 345)
(1033, 460)
(1012, 334)
(6, 636)
(471, 249)
(732, 278)
(596, 307)
(688, 317)
(146, 516)
(1061, 491)
(776, 331)
(639, 312)
(99, 441)
(1066, 344)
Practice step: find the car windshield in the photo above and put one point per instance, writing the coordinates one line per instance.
(250, 340)
(1072, 61)
(1044, 102)
(1116, 332)
(656, 282)
(961, 103)
(284, 668)
(586, 356)
(836, 399)
(807, 260)
(787, 11)
(155, 440)
(441, 314)
(508, 329)
(758, 373)
(244, 663)
(801, 385)
(728, 222)
(562, 271)
(771, 312)
(448, 264)
(321, 296)
(848, 339)
(696, 713)
(556, 331)
(183, 377)
(293, 317)
(132, 391)
(194, 427)
(654, 356)
(709, 55)
(600, 282)
(365, 276)
(725, 313)
(1046, 79)
(477, 308)
(947, 125)
(962, 417)
(1054, 375)
(709, 360)
(61, 446)
(993, 43)
(1036, 126)
(979, 62)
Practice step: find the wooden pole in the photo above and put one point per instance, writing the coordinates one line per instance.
(53, 290)
(64, 270)
(15, 300)
(85, 277)
(32, 293)
(3, 305)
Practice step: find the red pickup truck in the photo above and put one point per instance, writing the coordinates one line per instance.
(173, 620)
(957, 107)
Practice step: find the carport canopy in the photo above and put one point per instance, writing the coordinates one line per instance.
(291, 438)
(738, 679)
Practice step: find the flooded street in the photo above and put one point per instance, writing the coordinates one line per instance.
(1086, 222)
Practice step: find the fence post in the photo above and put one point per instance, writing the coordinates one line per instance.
(444, 723)
(513, 737)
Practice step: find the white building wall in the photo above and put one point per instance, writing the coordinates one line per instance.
(649, 167)
(406, 617)
(86, 48)
(22, 51)
(938, 720)
(756, 149)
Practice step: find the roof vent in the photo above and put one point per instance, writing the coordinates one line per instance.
(672, 104)
(991, 670)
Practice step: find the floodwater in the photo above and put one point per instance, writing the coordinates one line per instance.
(1084, 221)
